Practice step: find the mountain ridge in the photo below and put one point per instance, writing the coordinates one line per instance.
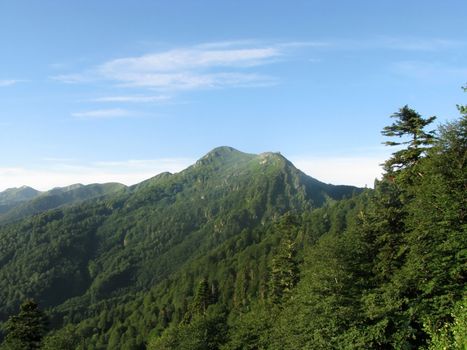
(227, 153)
(222, 158)
(54, 198)
(78, 257)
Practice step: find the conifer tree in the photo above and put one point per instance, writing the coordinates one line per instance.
(26, 330)
(409, 124)
(202, 297)
(201, 301)
(284, 267)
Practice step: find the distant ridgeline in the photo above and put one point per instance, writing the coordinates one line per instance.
(18, 203)
(243, 251)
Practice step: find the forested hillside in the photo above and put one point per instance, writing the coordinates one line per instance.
(95, 261)
(26, 201)
(244, 251)
(395, 276)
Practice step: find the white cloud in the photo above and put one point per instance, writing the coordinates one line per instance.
(189, 59)
(190, 68)
(61, 174)
(210, 65)
(75, 78)
(190, 80)
(230, 63)
(358, 171)
(9, 82)
(102, 114)
(132, 98)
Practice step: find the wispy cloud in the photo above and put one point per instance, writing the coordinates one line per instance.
(191, 58)
(209, 65)
(74, 78)
(63, 172)
(191, 68)
(230, 63)
(192, 80)
(103, 114)
(9, 82)
(133, 99)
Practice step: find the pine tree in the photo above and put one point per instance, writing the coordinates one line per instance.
(202, 297)
(408, 124)
(26, 330)
(284, 267)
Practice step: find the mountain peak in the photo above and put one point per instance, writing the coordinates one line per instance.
(223, 154)
(18, 194)
(222, 151)
(19, 189)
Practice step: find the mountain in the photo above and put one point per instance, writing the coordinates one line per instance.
(29, 201)
(244, 251)
(11, 197)
(79, 260)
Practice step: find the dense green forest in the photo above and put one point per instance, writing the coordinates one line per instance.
(243, 251)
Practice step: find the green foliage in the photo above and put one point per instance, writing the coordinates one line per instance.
(202, 297)
(26, 330)
(246, 252)
(451, 335)
(206, 331)
(399, 259)
(28, 201)
(284, 266)
(124, 266)
(251, 330)
(63, 339)
(408, 124)
(463, 108)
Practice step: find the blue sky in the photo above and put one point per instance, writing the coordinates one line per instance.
(96, 91)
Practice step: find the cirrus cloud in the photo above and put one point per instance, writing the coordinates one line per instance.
(133, 99)
(201, 66)
(102, 113)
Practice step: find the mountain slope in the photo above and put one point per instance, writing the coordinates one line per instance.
(12, 197)
(88, 254)
(55, 198)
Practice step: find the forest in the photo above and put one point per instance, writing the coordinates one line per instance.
(243, 251)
